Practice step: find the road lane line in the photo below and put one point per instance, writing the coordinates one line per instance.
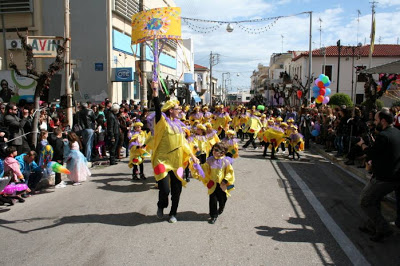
(344, 242)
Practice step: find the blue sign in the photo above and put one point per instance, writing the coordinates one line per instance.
(123, 74)
(98, 66)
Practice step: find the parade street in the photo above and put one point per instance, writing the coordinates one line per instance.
(282, 212)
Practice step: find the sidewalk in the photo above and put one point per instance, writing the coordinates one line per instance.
(359, 172)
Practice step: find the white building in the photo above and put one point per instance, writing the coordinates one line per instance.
(349, 81)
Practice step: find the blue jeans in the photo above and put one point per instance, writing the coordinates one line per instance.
(88, 137)
(339, 144)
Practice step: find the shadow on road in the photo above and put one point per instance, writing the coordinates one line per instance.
(135, 186)
(288, 234)
(119, 219)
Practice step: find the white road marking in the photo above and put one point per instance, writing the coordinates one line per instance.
(344, 242)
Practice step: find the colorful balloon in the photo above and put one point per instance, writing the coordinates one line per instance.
(316, 82)
(326, 100)
(320, 98)
(315, 133)
(320, 84)
(327, 84)
(322, 91)
(321, 77)
(58, 168)
(299, 94)
(327, 91)
(325, 79)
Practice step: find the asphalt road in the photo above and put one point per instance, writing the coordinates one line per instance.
(281, 213)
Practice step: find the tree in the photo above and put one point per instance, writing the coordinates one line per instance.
(42, 79)
(298, 85)
(374, 91)
(340, 99)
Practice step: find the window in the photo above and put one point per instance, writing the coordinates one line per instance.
(248, 98)
(361, 77)
(328, 71)
(16, 6)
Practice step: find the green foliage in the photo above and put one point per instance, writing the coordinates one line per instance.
(340, 99)
(370, 105)
(396, 103)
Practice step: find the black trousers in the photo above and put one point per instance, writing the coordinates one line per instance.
(251, 140)
(33, 179)
(58, 179)
(222, 134)
(135, 169)
(113, 149)
(218, 196)
(166, 185)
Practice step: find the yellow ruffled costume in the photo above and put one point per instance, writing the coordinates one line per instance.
(171, 151)
(216, 170)
(136, 153)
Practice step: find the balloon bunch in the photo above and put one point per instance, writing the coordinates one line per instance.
(321, 90)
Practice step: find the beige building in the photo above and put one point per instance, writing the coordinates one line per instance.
(100, 46)
(350, 81)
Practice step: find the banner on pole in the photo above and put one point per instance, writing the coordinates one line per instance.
(157, 23)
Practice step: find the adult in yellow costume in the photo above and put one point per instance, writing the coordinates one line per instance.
(171, 153)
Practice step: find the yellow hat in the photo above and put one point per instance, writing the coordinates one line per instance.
(200, 126)
(208, 125)
(253, 107)
(263, 115)
(271, 121)
(279, 119)
(290, 120)
(205, 108)
(230, 132)
(187, 107)
(283, 124)
(257, 114)
(187, 131)
(169, 104)
(196, 107)
(138, 124)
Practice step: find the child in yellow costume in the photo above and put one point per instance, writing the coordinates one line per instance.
(137, 150)
(252, 127)
(212, 136)
(273, 136)
(195, 115)
(297, 143)
(221, 121)
(200, 143)
(171, 152)
(218, 175)
(232, 143)
(207, 115)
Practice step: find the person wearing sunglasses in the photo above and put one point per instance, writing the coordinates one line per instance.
(16, 129)
(171, 151)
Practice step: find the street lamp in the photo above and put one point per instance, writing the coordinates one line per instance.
(338, 68)
(353, 48)
(229, 28)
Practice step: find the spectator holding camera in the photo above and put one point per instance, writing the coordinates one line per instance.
(385, 157)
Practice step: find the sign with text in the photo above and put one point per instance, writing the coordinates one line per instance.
(123, 74)
(44, 46)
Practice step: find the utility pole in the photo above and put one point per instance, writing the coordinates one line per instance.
(358, 22)
(320, 32)
(143, 76)
(212, 63)
(67, 60)
(338, 67)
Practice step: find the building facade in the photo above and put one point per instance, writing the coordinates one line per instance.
(100, 45)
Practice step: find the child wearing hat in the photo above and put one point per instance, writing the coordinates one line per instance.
(218, 175)
(137, 146)
(232, 143)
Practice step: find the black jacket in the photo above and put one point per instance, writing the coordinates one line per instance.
(58, 147)
(112, 126)
(385, 155)
(86, 118)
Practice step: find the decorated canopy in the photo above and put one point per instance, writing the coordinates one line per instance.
(157, 23)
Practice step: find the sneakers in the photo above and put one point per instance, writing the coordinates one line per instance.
(212, 220)
(77, 184)
(60, 185)
(160, 213)
(172, 219)
(142, 176)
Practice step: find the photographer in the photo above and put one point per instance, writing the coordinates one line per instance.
(385, 157)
